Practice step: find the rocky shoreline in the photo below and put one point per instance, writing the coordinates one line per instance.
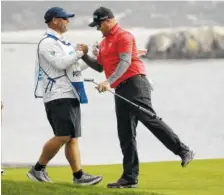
(192, 43)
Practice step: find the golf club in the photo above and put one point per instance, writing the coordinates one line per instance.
(132, 103)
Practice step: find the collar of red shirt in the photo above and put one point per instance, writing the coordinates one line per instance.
(113, 30)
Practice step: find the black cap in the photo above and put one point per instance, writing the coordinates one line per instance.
(56, 12)
(100, 15)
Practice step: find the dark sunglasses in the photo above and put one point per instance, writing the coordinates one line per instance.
(98, 26)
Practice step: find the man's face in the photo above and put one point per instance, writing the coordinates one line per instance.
(104, 26)
(61, 24)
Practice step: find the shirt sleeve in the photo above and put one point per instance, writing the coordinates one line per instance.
(55, 55)
(82, 65)
(125, 45)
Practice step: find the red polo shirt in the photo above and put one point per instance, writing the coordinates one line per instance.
(119, 41)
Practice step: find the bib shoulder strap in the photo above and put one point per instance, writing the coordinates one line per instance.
(52, 36)
(38, 48)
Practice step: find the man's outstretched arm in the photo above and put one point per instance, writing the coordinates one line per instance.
(92, 63)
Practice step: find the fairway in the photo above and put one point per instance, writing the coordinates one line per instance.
(201, 177)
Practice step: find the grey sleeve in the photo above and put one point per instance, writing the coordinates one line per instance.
(125, 62)
(92, 63)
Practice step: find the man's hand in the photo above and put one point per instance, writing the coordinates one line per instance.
(102, 87)
(142, 52)
(83, 48)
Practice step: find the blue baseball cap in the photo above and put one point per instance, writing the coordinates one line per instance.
(56, 12)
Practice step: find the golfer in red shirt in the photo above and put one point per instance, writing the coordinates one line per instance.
(125, 72)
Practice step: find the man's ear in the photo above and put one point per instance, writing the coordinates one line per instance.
(54, 21)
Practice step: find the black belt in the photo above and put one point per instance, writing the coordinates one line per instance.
(121, 84)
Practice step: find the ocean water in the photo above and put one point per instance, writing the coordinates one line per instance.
(188, 95)
(27, 15)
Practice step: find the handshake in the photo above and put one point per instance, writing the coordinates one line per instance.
(83, 48)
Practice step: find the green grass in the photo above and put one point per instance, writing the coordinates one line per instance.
(201, 177)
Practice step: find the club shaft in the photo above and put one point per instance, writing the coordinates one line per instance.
(139, 107)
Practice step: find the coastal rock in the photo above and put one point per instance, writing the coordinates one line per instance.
(192, 43)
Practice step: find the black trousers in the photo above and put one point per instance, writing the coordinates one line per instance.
(138, 90)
